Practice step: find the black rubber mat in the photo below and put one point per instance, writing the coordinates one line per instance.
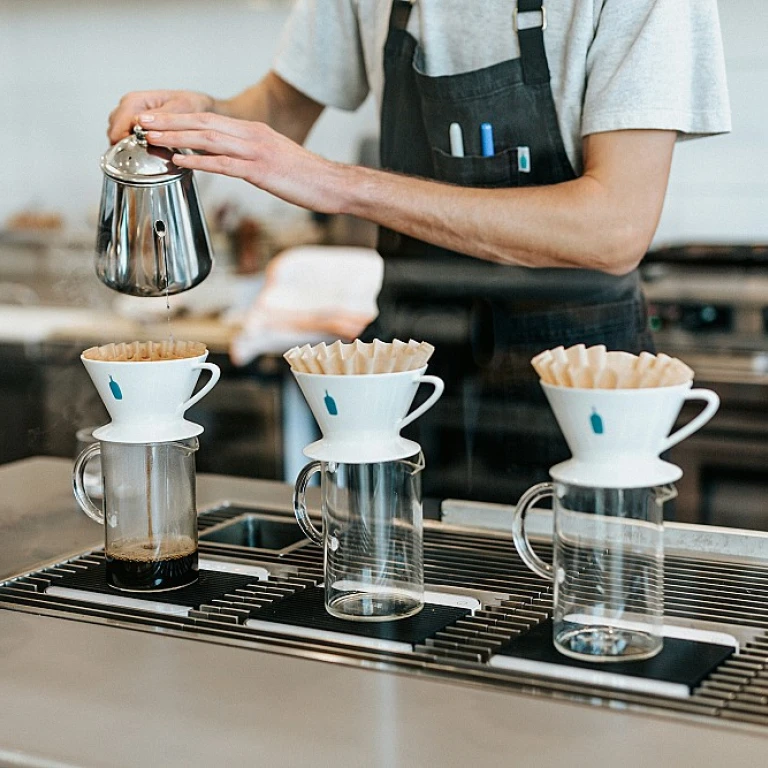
(307, 609)
(210, 585)
(683, 662)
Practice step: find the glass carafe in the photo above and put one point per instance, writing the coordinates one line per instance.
(149, 512)
(608, 568)
(371, 536)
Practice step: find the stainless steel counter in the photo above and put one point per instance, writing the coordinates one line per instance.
(39, 520)
(86, 695)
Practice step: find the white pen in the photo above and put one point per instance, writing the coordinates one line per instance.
(457, 140)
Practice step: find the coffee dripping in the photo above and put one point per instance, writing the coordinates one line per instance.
(147, 456)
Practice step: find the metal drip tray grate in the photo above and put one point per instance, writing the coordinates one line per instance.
(676, 671)
(304, 615)
(487, 596)
(209, 586)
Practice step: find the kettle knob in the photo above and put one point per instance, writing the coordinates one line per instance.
(140, 135)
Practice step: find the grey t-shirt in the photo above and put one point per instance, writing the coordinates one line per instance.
(615, 64)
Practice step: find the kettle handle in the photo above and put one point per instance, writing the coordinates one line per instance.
(215, 374)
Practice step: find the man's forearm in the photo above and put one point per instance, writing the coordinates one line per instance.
(274, 102)
(604, 220)
(563, 225)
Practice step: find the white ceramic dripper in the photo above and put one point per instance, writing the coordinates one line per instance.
(147, 399)
(361, 415)
(616, 435)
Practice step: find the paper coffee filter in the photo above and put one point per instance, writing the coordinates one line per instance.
(595, 367)
(360, 357)
(138, 351)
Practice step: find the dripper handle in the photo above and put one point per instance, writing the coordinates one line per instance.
(215, 374)
(300, 503)
(533, 495)
(78, 483)
(439, 386)
(713, 403)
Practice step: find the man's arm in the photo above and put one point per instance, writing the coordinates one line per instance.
(603, 220)
(276, 103)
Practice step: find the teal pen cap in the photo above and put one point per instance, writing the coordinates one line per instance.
(524, 159)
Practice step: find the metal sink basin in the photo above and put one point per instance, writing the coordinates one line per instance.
(255, 532)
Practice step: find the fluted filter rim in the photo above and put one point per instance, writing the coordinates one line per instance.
(145, 351)
(594, 367)
(359, 357)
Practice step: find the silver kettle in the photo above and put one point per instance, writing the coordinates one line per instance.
(152, 238)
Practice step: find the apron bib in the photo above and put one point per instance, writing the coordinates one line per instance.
(492, 434)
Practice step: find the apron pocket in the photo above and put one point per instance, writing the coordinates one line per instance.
(499, 170)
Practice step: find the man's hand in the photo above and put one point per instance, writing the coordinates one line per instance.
(124, 116)
(251, 151)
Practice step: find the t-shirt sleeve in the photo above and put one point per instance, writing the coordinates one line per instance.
(657, 64)
(320, 53)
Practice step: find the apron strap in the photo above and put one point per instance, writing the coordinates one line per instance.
(401, 12)
(532, 52)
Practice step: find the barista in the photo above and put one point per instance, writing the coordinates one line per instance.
(526, 151)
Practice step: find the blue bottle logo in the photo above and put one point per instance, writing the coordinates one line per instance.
(330, 404)
(115, 388)
(597, 422)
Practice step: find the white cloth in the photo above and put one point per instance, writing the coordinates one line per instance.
(310, 294)
(615, 64)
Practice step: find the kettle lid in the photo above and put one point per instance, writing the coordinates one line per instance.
(133, 161)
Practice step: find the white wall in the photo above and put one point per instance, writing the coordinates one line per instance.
(718, 191)
(65, 63)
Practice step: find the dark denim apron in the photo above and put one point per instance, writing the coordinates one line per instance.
(492, 434)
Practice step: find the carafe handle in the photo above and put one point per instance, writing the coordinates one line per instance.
(532, 496)
(438, 384)
(713, 403)
(300, 503)
(215, 374)
(78, 483)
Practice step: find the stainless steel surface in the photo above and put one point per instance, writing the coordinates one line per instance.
(152, 238)
(181, 703)
(226, 690)
(39, 519)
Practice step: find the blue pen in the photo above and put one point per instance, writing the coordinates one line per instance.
(486, 140)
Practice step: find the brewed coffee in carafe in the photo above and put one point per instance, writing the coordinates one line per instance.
(149, 512)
